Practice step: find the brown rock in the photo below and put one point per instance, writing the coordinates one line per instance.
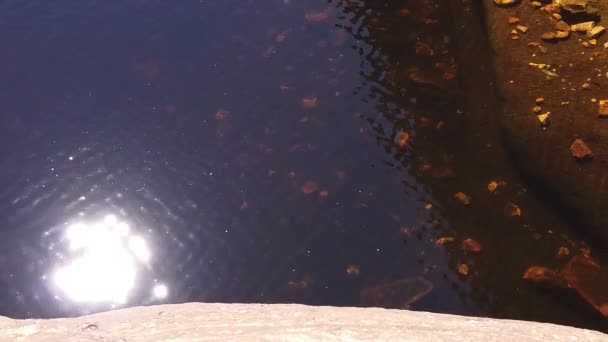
(589, 7)
(596, 31)
(562, 26)
(579, 150)
(602, 111)
(552, 8)
(583, 27)
(504, 2)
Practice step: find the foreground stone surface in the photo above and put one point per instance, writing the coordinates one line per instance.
(281, 322)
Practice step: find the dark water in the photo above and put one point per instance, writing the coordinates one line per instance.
(248, 151)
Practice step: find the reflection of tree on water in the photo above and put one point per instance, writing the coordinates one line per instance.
(412, 78)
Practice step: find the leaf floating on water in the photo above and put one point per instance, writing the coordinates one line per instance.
(512, 210)
(353, 270)
(462, 198)
(401, 139)
(309, 187)
(470, 245)
(444, 240)
(540, 274)
(463, 269)
(310, 102)
(302, 284)
(320, 16)
(406, 231)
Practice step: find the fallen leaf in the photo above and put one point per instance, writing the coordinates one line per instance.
(353, 270)
(406, 231)
(492, 186)
(462, 198)
(463, 269)
(540, 274)
(323, 193)
(310, 102)
(470, 245)
(309, 187)
(319, 16)
(401, 139)
(512, 210)
(444, 240)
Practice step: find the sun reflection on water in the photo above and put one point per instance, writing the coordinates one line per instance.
(103, 262)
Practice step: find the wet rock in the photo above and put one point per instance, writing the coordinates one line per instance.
(603, 109)
(589, 7)
(505, 2)
(579, 150)
(552, 8)
(596, 31)
(552, 36)
(583, 27)
(543, 119)
(562, 26)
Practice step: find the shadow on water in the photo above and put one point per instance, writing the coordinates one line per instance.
(279, 151)
(454, 146)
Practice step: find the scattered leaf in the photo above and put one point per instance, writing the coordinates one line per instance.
(353, 270)
(462, 198)
(512, 210)
(319, 16)
(401, 139)
(309, 187)
(310, 102)
(492, 186)
(470, 245)
(540, 274)
(444, 240)
(463, 269)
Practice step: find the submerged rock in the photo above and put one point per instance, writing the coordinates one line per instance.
(399, 294)
(582, 274)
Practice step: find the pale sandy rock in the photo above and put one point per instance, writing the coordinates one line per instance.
(281, 322)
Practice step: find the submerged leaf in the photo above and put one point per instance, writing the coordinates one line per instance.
(444, 240)
(471, 245)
